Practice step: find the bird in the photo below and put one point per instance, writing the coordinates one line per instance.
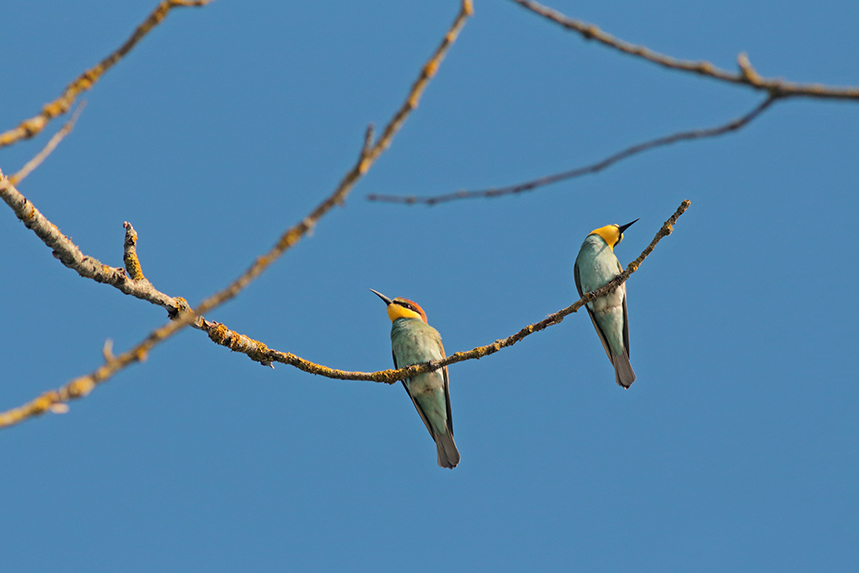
(414, 341)
(595, 266)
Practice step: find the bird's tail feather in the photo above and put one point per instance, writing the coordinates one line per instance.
(623, 373)
(448, 455)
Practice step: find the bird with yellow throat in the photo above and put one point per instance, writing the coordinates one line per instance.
(595, 266)
(414, 341)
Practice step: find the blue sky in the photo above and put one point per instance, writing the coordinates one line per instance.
(734, 450)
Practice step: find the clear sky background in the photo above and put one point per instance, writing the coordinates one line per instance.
(734, 450)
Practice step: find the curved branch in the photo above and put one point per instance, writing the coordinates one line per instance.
(82, 386)
(746, 76)
(259, 352)
(55, 400)
(732, 125)
(33, 126)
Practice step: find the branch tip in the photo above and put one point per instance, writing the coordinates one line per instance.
(747, 71)
(492, 192)
(129, 257)
(107, 351)
(747, 76)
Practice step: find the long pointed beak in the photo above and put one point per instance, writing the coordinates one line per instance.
(621, 228)
(383, 297)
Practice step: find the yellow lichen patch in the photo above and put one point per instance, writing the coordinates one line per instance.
(218, 334)
(259, 352)
(30, 213)
(364, 165)
(140, 354)
(132, 266)
(53, 109)
(432, 66)
(41, 404)
(80, 387)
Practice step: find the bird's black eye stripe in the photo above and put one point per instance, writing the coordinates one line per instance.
(405, 305)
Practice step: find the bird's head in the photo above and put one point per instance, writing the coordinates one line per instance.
(611, 234)
(402, 308)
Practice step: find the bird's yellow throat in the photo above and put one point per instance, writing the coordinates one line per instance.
(396, 311)
(610, 234)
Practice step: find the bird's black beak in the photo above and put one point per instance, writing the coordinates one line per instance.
(621, 228)
(389, 301)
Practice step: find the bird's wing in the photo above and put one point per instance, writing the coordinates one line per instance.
(423, 416)
(578, 280)
(625, 317)
(446, 392)
(417, 406)
(625, 327)
(591, 313)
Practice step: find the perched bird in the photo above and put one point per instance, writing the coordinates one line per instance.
(595, 266)
(413, 341)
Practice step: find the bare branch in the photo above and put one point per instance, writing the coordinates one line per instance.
(732, 125)
(71, 256)
(52, 144)
(86, 80)
(776, 87)
(82, 386)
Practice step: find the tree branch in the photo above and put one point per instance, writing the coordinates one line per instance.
(747, 76)
(52, 144)
(732, 125)
(82, 386)
(71, 256)
(259, 352)
(33, 126)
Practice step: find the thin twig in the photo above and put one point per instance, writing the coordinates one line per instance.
(52, 144)
(82, 386)
(732, 125)
(746, 76)
(30, 127)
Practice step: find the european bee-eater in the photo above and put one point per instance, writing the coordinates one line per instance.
(414, 341)
(595, 266)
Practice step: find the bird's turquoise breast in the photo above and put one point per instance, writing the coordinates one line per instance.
(415, 342)
(596, 266)
(596, 263)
